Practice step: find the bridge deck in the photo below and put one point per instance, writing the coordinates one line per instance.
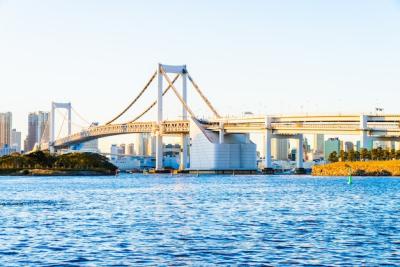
(379, 126)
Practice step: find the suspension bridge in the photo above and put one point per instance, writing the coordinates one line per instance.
(221, 143)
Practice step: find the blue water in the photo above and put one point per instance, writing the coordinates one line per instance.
(137, 220)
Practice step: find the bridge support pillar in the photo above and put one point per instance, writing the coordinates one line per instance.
(184, 152)
(221, 133)
(184, 137)
(267, 147)
(159, 152)
(300, 152)
(159, 139)
(300, 155)
(365, 140)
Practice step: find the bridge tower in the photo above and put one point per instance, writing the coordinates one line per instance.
(181, 69)
(54, 106)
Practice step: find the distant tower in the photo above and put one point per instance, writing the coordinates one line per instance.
(5, 128)
(55, 106)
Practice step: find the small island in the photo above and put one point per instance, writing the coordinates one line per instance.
(41, 163)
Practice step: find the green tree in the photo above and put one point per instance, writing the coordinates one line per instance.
(392, 154)
(343, 155)
(374, 154)
(357, 155)
(333, 157)
(363, 154)
(386, 154)
(351, 155)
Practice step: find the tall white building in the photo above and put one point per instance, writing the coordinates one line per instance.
(38, 129)
(5, 128)
(116, 152)
(151, 146)
(318, 144)
(141, 144)
(16, 140)
(279, 148)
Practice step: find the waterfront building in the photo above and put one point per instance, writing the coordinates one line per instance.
(38, 129)
(116, 152)
(5, 129)
(332, 144)
(212, 151)
(318, 144)
(16, 140)
(279, 148)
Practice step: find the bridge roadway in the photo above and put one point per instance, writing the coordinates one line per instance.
(378, 127)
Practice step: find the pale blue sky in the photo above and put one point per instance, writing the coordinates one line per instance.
(262, 56)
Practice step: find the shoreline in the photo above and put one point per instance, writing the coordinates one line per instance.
(53, 172)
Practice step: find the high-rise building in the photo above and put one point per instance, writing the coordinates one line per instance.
(141, 144)
(306, 145)
(151, 145)
(279, 149)
(16, 140)
(332, 144)
(131, 149)
(116, 152)
(5, 129)
(318, 144)
(38, 129)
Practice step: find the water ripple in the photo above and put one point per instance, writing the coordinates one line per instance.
(208, 220)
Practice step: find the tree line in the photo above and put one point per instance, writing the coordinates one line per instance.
(45, 160)
(365, 155)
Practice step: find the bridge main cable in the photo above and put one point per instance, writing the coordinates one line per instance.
(134, 101)
(155, 102)
(205, 99)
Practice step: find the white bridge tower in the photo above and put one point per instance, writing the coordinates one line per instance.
(54, 106)
(162, 70)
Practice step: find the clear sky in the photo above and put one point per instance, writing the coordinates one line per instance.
(262, 56)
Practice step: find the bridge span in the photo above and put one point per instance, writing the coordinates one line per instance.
(368, 127)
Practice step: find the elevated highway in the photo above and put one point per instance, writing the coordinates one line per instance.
(383, 127)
